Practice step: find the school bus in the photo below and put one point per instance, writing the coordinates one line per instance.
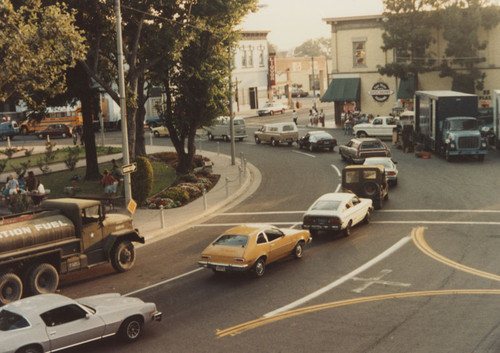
(59, 115)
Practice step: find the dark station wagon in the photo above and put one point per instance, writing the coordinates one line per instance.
(356, 150)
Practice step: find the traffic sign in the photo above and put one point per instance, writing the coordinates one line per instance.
(129, 168)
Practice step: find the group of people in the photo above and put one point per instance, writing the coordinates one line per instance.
(111, 180)
(316, 118)
(349, 119)
(20, 185)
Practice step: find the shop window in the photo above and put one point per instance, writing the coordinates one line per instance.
(359, 54)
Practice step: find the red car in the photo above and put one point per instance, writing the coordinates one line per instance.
(55, 130)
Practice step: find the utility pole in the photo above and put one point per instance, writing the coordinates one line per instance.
(123, 107)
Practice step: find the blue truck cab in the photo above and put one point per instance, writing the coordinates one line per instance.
(446, 123)
(8, 129)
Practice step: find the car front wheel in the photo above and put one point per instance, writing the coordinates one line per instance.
(368, 217)
(131, 329)
(347, 230)
(298, 251)
(257, 140)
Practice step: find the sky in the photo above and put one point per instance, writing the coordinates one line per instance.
(292, 22)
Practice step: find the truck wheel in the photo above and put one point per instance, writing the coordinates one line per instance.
(43, 279)
(123, 256)
(370, 188)
(11, 288)
(131, 329)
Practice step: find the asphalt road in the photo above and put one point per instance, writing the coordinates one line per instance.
(423, 276)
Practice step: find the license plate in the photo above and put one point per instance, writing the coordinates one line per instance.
(220, 268)
(326, 142)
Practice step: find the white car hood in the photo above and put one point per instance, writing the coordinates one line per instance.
(109, 302)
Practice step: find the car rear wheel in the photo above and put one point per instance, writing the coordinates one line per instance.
(210, 136)
(274, 142)
(11, 288)
(257, 140)
(43, 279)
(123, 256)
(347, 230)
(259, 268)
(30, 349)
(298, 251)
(271, 113)
(131, 329)
(156, 133)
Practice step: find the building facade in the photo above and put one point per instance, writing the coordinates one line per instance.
(250, 71)
(356, 83)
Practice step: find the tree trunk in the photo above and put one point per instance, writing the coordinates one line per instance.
(140, 143)
(89, 106)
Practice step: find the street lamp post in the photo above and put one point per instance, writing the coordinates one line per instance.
(231, 116)
(121, 84)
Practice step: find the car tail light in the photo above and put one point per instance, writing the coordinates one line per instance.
(320, 142)
(391, 173)
(307, 220)
(334, 221)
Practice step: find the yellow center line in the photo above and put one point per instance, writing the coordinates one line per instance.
(420, 243)
(235, 330)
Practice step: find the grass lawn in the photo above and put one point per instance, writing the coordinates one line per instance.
(164, 175)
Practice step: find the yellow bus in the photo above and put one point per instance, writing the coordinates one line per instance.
(60, 115)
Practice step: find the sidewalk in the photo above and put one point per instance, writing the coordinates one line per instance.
(233, 187)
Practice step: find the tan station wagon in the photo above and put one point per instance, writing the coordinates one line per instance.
(277, 133)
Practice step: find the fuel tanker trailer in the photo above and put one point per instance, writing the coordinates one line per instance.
(65, 235)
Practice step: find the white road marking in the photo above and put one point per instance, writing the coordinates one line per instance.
(305, 154)
(378, 211)
(336, 169)
(164, 282)
(371, 222)
(343, 279)
(377, 280)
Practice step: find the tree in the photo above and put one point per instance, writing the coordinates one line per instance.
(196, 85)
(464, 43)
(314, 47)
(407, 31)
(37, 45)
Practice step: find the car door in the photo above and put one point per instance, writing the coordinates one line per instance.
(280, 245)
(70, 325)
(357, 209)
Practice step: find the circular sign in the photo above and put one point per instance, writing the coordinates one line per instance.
(380, 92)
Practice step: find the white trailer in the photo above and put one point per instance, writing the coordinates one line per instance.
(496, 116)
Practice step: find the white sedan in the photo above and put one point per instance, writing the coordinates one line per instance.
(391, 171)
(337, 212)
(52, 322)
(272, 108)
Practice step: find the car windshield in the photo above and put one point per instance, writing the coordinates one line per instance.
(326, 205)
(10, 321)
(232, 240)
(463, 125)
(385, 162)
(239, 122)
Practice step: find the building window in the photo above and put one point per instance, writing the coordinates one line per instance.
(359, 53)
(261, 55)
(243, 56)
(250, 57)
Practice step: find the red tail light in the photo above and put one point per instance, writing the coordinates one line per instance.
(391, 173)
(334, 221)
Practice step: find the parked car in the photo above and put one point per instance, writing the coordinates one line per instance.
(379, 126)
(299, 93)
(52, 322)
(277, 134)
(366, 181)
(160, 131)
(317, 140)
(357, 149)
(337, 212)
(222, 129)
(391, 171)
(272, 108)
(8, 129)
(153, 121)
(55, 130)
(252, 247)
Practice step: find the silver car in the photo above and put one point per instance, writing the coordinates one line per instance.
(391, 171)
(51, 322)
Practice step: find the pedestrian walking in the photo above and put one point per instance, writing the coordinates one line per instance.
(315, 117)
(295, 117)
(322, 118)
(311, 117)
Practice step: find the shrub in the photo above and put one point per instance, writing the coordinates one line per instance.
(176, 194)
(72, 157)
(142, 180)
(19, 203)
(192, 189)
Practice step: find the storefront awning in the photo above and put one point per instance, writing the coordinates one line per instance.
(342, 90)
(406, 88)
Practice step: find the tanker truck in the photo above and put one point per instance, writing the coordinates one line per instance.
(63, 236)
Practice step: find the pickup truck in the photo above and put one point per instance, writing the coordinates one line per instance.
(381, 126)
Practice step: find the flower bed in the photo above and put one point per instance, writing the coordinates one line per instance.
(187, 188)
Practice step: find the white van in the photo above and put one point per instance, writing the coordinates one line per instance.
(222, 129)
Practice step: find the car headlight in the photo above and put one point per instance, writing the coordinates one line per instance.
(483, 144)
